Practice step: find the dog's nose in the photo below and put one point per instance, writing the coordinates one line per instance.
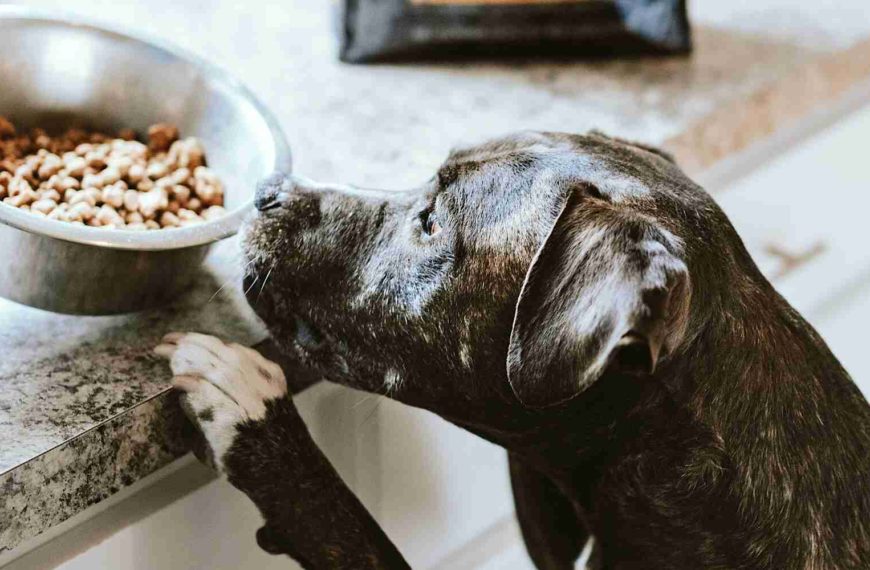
(273, 191)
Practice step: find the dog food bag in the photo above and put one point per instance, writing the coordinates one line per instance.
(374, 30)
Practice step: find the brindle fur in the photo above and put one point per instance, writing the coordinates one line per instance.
(591, 310)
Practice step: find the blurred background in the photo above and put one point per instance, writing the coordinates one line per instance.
(770, 111)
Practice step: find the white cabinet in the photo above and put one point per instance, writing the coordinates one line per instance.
(210, 528)
(440, 487)
(442, 494)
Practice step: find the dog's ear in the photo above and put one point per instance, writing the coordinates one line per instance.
(606, 289)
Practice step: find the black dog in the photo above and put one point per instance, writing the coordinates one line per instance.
(577, 300)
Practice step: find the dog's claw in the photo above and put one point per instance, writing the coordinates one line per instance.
(165, 350)
(173, 337)
(185, 383)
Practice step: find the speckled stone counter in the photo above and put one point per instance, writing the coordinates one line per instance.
(84, 406)
(84, 409)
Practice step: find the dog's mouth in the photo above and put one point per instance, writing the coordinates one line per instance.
(308, 340)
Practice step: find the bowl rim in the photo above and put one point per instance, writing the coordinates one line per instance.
(156, 240)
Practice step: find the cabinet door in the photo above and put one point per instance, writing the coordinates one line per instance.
(436, 489)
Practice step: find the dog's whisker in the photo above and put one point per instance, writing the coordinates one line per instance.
(230, 280)
(263, 286)
(251, 286)
(221, 288)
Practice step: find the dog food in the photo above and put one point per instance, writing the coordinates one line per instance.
(375, 30)
(88, 177)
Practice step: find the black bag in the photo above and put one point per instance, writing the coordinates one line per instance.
(375, 30)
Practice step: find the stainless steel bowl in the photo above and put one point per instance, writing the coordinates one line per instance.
(57, 71)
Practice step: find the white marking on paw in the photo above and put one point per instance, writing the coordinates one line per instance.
(223, 384)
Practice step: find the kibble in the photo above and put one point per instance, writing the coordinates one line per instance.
(87, 177)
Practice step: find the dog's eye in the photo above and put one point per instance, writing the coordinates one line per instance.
(429, 221)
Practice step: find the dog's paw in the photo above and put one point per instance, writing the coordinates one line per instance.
(223, 386)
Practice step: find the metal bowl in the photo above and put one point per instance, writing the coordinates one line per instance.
(54, 72)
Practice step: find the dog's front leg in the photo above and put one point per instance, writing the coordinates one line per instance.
(238, 400)
(554, 534)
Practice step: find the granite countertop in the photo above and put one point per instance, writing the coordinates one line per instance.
(84, 409)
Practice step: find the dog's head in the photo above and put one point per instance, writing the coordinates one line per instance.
(524, 269)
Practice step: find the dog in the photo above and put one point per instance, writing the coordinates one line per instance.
(575, 299)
